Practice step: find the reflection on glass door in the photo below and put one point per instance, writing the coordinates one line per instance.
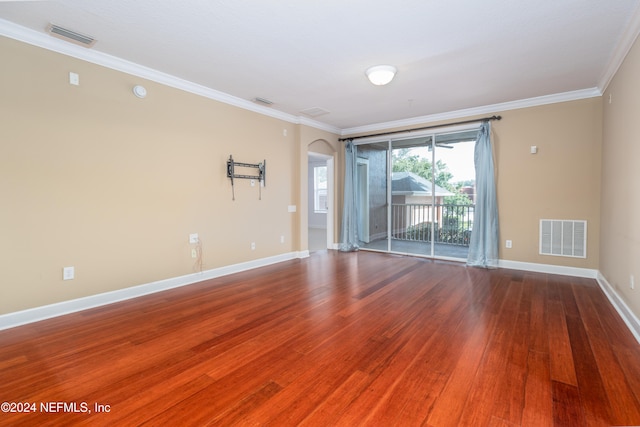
(363, 200)
(420, 194)
(372, 163)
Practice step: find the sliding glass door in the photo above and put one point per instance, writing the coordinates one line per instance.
(416, 194)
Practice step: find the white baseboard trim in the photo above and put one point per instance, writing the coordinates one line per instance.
(11, 320)
(630, 319)
(303, 254)
(550, 269)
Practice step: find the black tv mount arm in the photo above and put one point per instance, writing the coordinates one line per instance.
(231, 174)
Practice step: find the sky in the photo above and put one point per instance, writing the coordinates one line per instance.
(458, 159)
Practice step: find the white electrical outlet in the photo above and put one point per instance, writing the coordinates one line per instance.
(253, 246)
(194, 253)
(632, 284)
(193, 238)
(281, 239)
(509, 244)
(74, 79)
(68, 273)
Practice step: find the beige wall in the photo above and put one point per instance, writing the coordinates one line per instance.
(95, 178)
(620, 247)
(562, 181)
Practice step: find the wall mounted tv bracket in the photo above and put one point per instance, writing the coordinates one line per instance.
(231, 174)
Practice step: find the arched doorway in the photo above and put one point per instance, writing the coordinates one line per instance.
(320, 196)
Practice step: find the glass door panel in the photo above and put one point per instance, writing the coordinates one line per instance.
(412, 220)
(455, 193)
(373, 161)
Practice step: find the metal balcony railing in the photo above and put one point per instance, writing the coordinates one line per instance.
(449, 224)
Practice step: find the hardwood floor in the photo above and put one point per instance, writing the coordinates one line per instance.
(334, 340)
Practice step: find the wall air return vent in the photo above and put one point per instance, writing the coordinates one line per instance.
(559, 237)
(70, 36)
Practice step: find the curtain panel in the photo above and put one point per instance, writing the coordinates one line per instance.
(483, 248)
(349, 231)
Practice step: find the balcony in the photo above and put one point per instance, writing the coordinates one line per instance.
(413, 225)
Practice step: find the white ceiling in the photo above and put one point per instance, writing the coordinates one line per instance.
(451, 56)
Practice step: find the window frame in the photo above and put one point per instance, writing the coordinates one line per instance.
(318, 191)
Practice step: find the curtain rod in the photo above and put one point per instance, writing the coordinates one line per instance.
(486, 119)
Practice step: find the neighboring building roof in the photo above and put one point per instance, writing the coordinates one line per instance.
(408, 183)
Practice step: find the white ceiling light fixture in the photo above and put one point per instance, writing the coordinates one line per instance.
(380, 75)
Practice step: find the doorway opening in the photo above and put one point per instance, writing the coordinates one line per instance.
(320, 202)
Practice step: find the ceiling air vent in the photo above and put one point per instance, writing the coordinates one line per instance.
(262, 101)
(562, 237)
(70, 36)
(314, 112)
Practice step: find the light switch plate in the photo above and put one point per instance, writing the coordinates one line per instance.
(68, 273)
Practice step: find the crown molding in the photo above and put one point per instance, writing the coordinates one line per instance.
(26, 35)
(319, 125)
(40, 39)
(623, 47)
(486, 109)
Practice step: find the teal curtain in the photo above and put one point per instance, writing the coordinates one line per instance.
(349, 231)
(483, 248)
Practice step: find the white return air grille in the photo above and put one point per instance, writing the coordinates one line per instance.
(561, 237)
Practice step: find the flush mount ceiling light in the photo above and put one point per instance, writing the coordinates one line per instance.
(381, 74)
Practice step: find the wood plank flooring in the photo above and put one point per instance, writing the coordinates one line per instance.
(334, 340)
